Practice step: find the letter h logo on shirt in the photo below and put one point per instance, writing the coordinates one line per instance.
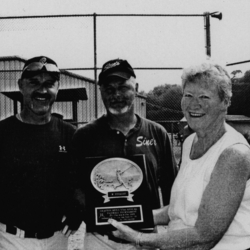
(62, 149)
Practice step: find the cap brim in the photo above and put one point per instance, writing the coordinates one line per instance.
(123, 75)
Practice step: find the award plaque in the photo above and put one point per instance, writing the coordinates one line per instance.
(117, 188)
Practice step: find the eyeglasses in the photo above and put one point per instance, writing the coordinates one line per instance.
(37, 66)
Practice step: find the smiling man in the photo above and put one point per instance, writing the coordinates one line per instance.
(121, 133)
(36, 190)
(39, 85)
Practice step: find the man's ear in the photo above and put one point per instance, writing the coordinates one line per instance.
(20, 85)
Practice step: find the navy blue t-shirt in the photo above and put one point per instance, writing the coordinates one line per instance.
(35, 173)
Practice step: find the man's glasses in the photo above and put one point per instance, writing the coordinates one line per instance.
(34, 68)
(37, 66)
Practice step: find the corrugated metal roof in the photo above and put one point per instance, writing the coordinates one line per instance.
(141, 96)
(11, 58)
(64, 72)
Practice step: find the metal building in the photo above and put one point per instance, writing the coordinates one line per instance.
(75, 100)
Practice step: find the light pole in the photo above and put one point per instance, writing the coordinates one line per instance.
(207, 29)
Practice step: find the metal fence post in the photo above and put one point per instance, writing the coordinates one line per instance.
(172, 134)
(95, 66)
(207, 34)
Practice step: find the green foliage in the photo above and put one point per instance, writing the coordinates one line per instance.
(241, 95)
(159, 90)
(164, 103)
(235, 72)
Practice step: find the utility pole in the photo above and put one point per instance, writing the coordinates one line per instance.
(207, 30)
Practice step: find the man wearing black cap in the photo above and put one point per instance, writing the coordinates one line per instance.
(37, 209)
(121, 133)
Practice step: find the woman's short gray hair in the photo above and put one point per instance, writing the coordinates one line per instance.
(209, 73)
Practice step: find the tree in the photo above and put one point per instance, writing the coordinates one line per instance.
(164, 103)
(235, 72)
(172, 98)
(241, 93)
(159, 90)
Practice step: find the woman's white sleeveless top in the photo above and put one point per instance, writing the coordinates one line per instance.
(190, 184)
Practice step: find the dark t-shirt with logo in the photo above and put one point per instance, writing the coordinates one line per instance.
(147, 137)
(35, 174)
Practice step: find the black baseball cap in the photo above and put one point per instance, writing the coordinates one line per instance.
(116, 67)
(36, 65)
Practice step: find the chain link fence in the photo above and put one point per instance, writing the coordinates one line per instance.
(74, 41)
(58, 37)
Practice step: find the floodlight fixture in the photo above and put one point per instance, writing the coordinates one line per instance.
(207, 15)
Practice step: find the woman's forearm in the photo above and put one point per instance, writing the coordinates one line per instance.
(161, 216)
(187, 239)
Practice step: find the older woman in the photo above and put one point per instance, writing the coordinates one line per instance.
(210, 199)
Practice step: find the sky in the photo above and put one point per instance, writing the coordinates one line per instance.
(144, 41)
